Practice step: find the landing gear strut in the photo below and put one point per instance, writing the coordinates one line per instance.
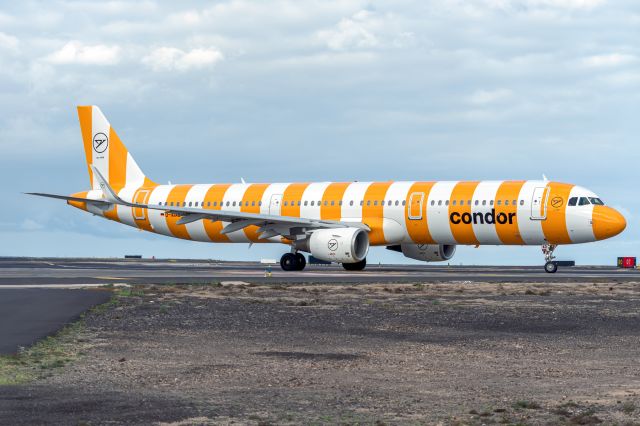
(550, 266)
(293, 262)
(358, 266)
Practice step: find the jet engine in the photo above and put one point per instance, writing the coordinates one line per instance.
(426, 252)
(341, 245)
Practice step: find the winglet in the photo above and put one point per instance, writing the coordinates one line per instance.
(109, 193)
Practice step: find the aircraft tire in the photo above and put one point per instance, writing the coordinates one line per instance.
(358, 266)
(301, 261)
(288, 262)
(551, 267)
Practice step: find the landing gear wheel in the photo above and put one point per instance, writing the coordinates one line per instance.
(288, 262)
(301, 261)
(358, 266)
(551, 267)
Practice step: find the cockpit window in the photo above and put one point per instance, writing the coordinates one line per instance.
(573, 201)
(584, 201)
(596, 201)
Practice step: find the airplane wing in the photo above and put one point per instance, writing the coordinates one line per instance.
(269, 225)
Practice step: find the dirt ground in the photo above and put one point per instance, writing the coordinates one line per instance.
(451, 353)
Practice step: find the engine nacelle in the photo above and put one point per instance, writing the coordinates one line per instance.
(428, 252)
(341, 245)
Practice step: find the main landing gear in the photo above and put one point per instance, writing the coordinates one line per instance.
(550, 266)
(358, 266)
(293, 262)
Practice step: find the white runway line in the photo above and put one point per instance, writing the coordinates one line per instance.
(61, 286)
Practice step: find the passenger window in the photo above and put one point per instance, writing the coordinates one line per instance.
(298, 203)
(584, 201)
(351, 203)
(515, 203)
(333, 202)
(484, 202)
(368, 202)
(439, 202)
(404, 202)
(228, 204)
(499, 202)
(397, 202)
(491, 202)
(340, 203)
(325, 202)
(306, 203)
(313, 203)
(375, 203)
(433, 202)
(234, 204)
(184, 203)
(446, 203)
(506, 202)
(476, 202)
(522, 202)
(259, 203)
(215, 204)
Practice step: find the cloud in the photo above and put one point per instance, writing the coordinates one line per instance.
(171, 58)
(351, 33)
(611, 60)
(566, 4)
(8, 42)
(74, 52)
(484, 97)
(31, 225)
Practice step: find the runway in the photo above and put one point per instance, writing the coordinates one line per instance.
(77, 272)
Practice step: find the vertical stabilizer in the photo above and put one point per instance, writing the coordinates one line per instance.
(105, 151)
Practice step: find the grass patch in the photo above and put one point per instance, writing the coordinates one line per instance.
(526, 405)
(628, 407)
(40, 359)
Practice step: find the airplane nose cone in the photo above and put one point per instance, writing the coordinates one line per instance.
(607, 222)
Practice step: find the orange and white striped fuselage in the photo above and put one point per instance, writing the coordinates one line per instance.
(338, 221)
(445, 212)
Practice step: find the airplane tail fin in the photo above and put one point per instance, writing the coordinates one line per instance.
(105, 151)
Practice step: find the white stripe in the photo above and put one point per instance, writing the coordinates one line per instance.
(156, 217)
(234, 194)
(438, 215)
(398, 191)
(196, 229)
(485, 191)
(312, 193)
(579, 218)
(354, 194)
(530, 230)
(134, 176)
(99, 124)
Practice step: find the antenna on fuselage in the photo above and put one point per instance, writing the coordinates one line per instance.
(544, 178)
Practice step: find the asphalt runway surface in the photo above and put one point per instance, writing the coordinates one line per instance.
(65, 272)
(28, 315)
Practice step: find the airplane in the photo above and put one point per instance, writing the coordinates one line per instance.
(339, 221)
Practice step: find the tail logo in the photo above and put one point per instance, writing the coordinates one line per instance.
(100, 143)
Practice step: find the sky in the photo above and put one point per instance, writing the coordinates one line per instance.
(280, 90)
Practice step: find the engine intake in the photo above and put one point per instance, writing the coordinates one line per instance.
(341, 245)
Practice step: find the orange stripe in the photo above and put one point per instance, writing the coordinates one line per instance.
(292, 195)
(463, 232)
(372, 210)
(333, 194)
(253, 194)
(418, 229)
(215, 194)
(85, 117)
(177, 195)
(555, 226)
(140, 197)
(509, 233)
(79, 204)
(117, 161)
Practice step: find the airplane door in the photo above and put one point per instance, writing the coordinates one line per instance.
(416, 201)
(140, 197)
(539, 203)
(275, 204)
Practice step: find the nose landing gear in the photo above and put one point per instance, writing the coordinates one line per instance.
(550, 266)
(293, 262)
